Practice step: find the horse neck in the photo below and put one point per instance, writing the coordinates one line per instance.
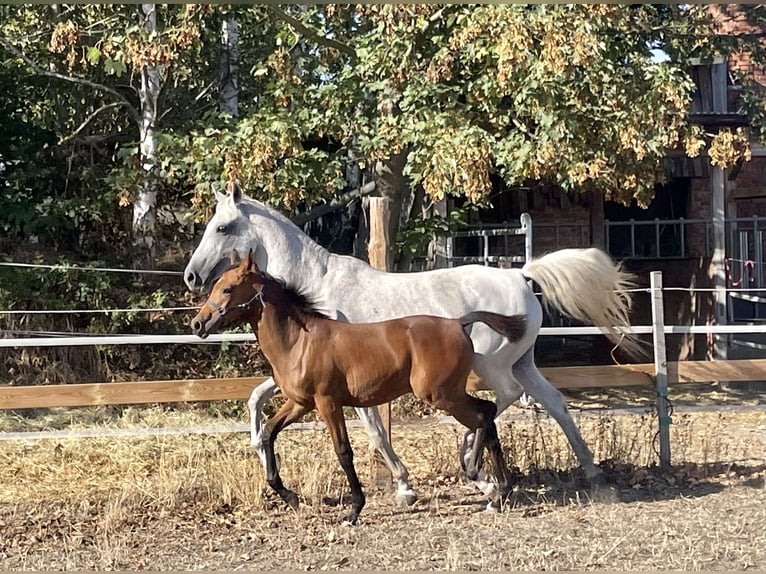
(287, 252)
(281, 323)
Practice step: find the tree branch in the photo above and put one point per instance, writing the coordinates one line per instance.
(43, 72)
(321, 210)
(309, 33)
(90, 118)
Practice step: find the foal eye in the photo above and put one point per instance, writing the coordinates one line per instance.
(227, 291)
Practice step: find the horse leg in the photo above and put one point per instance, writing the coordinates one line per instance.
(553, 401)
(370, 418)
(286, 415)
(505, 394)
(258, 398)
(336, 424)
(478, 415)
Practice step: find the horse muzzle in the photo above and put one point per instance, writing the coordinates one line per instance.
(200, 326)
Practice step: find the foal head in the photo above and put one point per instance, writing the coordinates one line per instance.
(236, 297)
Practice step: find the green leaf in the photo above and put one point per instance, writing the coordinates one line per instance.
(93, 55)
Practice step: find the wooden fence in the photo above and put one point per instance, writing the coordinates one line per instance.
(189, 390)
(655, 376)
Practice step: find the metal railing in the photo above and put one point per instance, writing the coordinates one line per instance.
(483, 234)
(658, 238)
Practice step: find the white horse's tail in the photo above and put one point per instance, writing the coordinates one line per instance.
(587, 285)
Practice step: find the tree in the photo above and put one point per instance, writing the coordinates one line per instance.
(106, 70)
(448, 95)
(569, 95)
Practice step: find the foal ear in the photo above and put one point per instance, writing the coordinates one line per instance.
(251, 261)
(234, 257)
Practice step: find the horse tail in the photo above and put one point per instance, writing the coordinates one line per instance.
(587, 285)
(513, 327)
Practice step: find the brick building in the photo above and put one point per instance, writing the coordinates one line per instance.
(701, 230)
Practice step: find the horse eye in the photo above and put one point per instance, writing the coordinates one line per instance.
(222, 228)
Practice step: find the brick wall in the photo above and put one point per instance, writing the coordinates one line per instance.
(698, 207)
(573, 228)
(731, 22)
(749, 188)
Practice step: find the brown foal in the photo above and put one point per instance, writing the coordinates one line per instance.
(327, 364)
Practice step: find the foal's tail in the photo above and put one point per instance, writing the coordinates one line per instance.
(512, 327)
(587, 285)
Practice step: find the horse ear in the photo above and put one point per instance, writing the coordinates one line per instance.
(218, 195)
(236, 193)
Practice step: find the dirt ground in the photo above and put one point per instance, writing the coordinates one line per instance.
(200, 502)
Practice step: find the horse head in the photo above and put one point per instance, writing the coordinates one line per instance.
(236, 297)
(227, 231)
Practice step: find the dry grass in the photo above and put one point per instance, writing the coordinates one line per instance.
(196, 502)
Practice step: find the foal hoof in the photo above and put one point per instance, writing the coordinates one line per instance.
(597, 481)
(292, 499)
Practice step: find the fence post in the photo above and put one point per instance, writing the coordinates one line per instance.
(660, 366)
(379, 256)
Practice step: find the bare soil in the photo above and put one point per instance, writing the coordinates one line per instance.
(200, 502)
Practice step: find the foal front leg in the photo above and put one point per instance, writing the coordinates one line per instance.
(336, 424)
(288, 414)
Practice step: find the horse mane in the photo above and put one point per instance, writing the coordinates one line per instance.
(296, 297)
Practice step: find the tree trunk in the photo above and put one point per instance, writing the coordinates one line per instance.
(145, 204)
(228, 66)
(391, 183)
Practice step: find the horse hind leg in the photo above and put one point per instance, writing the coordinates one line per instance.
(478, 415)
(482, 481)
(553, 401)
(505, 394)
(370, 418)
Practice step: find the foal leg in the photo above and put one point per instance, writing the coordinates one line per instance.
(478, 415)
(287, 414)
(552, 400)
(370, 418)
(507, 389)
(258, 398)
(336, 424)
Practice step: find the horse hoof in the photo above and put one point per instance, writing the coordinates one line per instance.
(488, 490)
(292, 499)
(600, 491)
(351, 520)
(493, 507)
(407, 498)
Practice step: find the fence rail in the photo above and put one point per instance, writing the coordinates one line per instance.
(239, 388)
(654, 375)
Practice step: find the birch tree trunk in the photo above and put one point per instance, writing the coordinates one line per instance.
(145, 204)
(228, 66)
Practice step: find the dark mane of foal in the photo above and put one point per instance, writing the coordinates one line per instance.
(293, 296)
(296, 297)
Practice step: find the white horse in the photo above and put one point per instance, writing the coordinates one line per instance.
(584, 284)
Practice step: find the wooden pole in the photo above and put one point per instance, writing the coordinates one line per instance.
(718, 261)
(660, 367)
(380, 256)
